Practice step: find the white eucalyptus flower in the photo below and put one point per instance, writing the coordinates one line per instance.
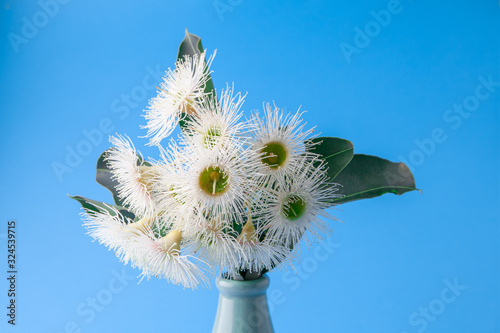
(180, 92)
(216, 182)
(134, 176)
(163, 257)
(145, 248)
(216, 123)
(165, 191)
(297, 206)
(109, 227)
(282, 142)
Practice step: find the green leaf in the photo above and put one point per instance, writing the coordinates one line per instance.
(370, 176)
(335, 151)
(97, 206)
(190, 45)
(104, 176)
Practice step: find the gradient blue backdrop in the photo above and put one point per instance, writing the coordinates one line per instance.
(88, 67)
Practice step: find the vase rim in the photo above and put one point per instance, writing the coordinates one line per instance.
(242, 288)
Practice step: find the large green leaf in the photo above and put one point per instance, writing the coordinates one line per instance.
(335, 151)
(370, 176)
(104, 176)
(97, 206)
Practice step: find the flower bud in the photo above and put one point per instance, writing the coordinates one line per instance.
(172, 242)
(147, 176)
(142, 225)
(248, 233)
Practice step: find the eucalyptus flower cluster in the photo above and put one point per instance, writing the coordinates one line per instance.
(227, 195)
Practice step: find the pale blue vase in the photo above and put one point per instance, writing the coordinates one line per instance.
(243, 307)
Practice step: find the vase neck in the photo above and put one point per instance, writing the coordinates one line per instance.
(243, 306)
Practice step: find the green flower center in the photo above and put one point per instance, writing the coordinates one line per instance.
(213, 180)
(212, 137)
(274, 155)
(294, 207)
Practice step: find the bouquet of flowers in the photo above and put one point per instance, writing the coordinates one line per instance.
(230, 195)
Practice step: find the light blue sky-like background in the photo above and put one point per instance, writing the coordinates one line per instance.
(88, 67)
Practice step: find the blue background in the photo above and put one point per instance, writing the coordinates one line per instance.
(391, 256)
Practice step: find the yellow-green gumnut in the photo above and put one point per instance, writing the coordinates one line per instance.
(212, 137)
(274, 155)
(213, 180)
(294, 207)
